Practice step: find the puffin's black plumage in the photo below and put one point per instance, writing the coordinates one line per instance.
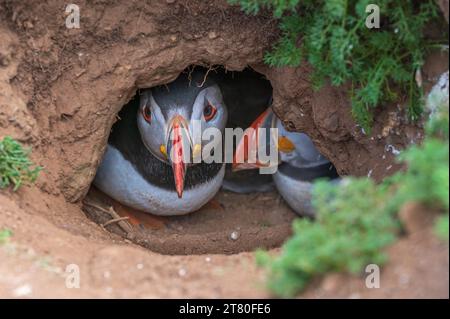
(309, 174)
(126, 138)
(246, 94)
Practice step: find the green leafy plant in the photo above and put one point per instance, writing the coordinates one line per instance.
(332, 36)
(357, 218)
(5, 234)
(441, 227)
(352, 226)
(427, 178)
(15, 166)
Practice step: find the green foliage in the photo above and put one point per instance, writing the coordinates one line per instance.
(437, 103)
(441, 227)
(332, 36)
(426, 179)
(278, 6)
(15, 166)
(356, 218)
(5, 234)
(341, 239)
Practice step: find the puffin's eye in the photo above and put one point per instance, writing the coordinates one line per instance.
(209, 112)
(147, 113)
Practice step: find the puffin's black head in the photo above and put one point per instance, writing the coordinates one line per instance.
(173, 117)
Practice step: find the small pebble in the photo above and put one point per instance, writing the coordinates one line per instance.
(106, 274)
(182, 272)
(212, 35)
(139, 266)
(22, 291)
(234, 235)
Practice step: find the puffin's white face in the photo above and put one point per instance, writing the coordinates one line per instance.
(156, 121)
(164, 123)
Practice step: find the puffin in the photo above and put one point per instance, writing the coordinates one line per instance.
(299, 162)
(149, 161)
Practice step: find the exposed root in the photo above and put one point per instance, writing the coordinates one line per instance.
(210, 68)
(115, 218)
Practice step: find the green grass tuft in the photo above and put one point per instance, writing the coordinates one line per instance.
(15, 166)
(441, 227)
(341, 239)
(5, 234)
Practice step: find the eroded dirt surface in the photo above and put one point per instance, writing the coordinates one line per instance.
(34, 260)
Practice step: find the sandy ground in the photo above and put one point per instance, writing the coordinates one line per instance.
(34, 261)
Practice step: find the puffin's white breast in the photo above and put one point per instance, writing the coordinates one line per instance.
(295, 192)
(118, 178)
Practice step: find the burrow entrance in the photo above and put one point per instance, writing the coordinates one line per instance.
(230, 222)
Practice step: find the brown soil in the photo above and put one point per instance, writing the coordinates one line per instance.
(49, 234)
(230, 223)
(60, 91)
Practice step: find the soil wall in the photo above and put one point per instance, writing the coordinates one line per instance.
(62, 88)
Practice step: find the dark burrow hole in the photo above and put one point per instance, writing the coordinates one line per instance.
(228, 223)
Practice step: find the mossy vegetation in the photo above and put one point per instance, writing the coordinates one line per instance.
(441, 227)
(379, 63)
(15, 166)
(353, 223)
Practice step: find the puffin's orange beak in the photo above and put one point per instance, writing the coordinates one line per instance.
(245, 156)
(177, 146)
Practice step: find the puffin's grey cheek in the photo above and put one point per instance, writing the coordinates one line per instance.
(223, 114)
(222, 121)
(151, 137)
